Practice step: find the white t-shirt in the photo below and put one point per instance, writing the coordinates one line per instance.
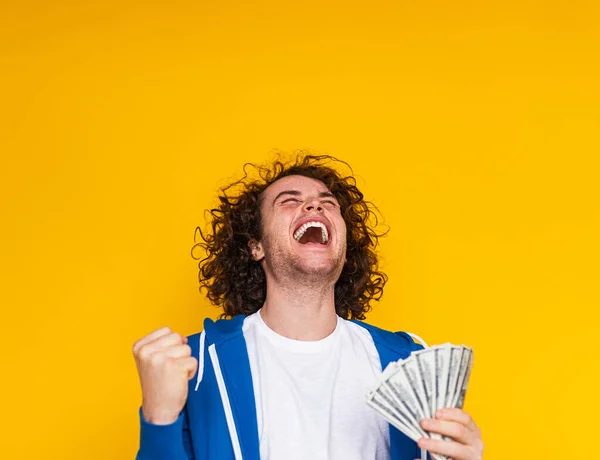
(310, 395)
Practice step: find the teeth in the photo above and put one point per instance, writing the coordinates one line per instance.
(300, 232)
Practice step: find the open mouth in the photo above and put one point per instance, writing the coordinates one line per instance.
(312, 232)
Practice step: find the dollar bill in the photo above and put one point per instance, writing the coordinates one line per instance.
(400, 393)
(418, 383)
(442, 362)
(390, 413)
(456, 353)
(465, 383)
(464, 361)
(415, 381)
(404, 396)
(426, 360)
(416, 387)
(385, 393)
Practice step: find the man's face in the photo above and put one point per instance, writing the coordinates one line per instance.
(303, 231)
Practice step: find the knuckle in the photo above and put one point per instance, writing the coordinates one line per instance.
(480, 446)
(144, 353)
(176, 335)
(137, 346)
(156, 359)
(172, 364)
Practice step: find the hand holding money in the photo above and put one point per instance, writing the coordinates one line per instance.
(456, 424)
(423, 396)
(165, 365)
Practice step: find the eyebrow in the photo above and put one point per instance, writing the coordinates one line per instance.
(298, 193)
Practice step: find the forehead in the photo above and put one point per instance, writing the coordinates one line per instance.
(302, 184)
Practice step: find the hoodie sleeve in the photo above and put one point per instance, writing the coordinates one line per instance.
(165, 442)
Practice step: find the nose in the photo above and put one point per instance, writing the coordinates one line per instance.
(313, 205)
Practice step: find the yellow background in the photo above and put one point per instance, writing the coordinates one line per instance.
(473, 125)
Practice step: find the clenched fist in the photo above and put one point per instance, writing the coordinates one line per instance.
(165, 365)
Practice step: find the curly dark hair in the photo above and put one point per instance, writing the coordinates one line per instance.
(236, 282)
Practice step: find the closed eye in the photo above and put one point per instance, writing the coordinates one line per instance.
(290, 199)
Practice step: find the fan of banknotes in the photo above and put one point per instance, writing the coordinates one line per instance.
(415, 388)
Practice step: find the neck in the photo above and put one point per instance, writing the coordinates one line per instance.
(300, 312)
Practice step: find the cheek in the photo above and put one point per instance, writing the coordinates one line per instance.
(276, 230)
(344, 235)
(341, 227)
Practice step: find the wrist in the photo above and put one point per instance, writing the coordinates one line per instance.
(158, 418)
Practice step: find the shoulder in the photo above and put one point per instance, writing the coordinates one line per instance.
(215, 330)
(400, 342)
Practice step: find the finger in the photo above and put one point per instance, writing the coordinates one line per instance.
(190, 365)
(181, 354)
(450, 449)
(455, 415)
(150, 337)
(457, 431)
(177, 351)
(159, 344)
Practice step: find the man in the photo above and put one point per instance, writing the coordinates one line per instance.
(291, 261)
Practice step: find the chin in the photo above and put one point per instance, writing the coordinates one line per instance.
(320, 268)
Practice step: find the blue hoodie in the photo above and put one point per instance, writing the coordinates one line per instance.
(218, 421)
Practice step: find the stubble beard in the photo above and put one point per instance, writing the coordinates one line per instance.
(291, 268)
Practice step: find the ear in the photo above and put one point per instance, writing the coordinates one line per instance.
(257, 250)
